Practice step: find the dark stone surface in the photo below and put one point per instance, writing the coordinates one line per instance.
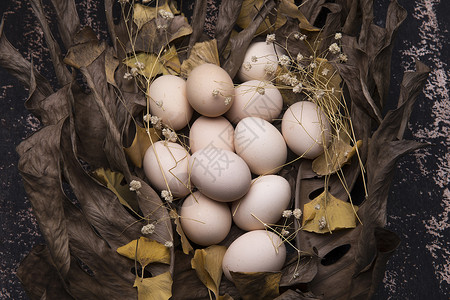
(420, 198)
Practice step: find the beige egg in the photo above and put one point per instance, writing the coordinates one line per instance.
(265, 202)
(168, 101)
(219, 174)
(205, 221)
(254, 251)
(210, 90)
(166, 167)
(256, 98)
(215, 132)
(306, 129)
(260, 62)
(260, 145)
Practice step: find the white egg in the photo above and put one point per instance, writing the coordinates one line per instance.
(256, 98)
(210, 90)
(260, 62)
(254, 251)
(260, 145)
(205, 221)
(168, 101)
(219, 174)
(265, 202)
(216, 132)
(166, 167)
(306, 129)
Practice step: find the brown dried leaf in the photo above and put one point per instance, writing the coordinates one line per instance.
(201, 53)
(142, 140)
(111, 64)
(167, 63)
(257, 285)
(154, 288)
(184, 240)
(83, 54)
(249, 10)
(208, 265)
(143, 14)
(326, 213)
(328, 79)
(290, 9)
(145, 251)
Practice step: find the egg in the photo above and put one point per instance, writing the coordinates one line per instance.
(216, 132)
(210, 90)
(260, 61)
(168, 101)
(168, 162)
(256, 98)
(219, 174)
(306, 129)
(205, 221)
(254, 251)
(260, 145)
(265, 202)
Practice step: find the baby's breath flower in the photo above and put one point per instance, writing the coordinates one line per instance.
(127, 76)
(284, 60)
(338, 36)
(284, 232)
(270, 38)
(247, 66)
(123, 1)
(317, 207)
(325, 71)
(334, 48)
(166, 195)
(159, 103)
(148, 229)
(227, 100)
(135, 185)
(322, 223)
(215, 92)
(147, 118)
(269, 69)
(299, 36)
(297, 213)
(161, 26)
(260, 90)
(299, 57)
(293, 81)
(319, 94)
(287, 213)
(169, 135)
(254, 58)
(296, 275)
(313, 65)
(134, 71)
(285, 78)
(139, 65)
(298, 88)
(343, 57)
(154, 120)
(165, 14)
(168, 244)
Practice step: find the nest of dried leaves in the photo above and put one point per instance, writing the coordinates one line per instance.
(108, 232)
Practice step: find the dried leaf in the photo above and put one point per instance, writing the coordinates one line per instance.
(326, 213)
(83, 54)
(301, 269)
(201, 53)
(228, 13)
(290, 9)
(339, 153)
(249, 10)
(184, 240)
(257, 285)
(113, 181)
(154, 288)
(167, 63)
(142, 140)
(111, 64)
(68, 20)
(145, 251)
(143, 14)
(328, 79)
(208, 265)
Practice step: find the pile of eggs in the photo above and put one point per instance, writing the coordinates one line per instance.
(228, 174)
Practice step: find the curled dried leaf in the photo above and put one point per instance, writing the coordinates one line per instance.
(184, 241)
(249, 10)
(145, 251)
(154, 288)
(142, 140)
(327, 213)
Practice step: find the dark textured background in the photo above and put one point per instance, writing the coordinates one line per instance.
(419, 202)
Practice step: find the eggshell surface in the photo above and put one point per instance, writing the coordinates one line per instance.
(265, 202)
(256, 98)
(210, 90)
(260, 145)
(259, 60)
(169, 160)
(205, 221)
(219, 174)
(306, 129)
(254, 251)
(168, 101)
(215, 132)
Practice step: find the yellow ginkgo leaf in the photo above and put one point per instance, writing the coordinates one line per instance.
(207, 263)
(327, 213)
(142, 140)
(290, 9)
(154, 288)
(143, 14)
(263, 284)
(184, 241)
(249, 9)
(145, 251)
(204, 52)
(113, 181)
